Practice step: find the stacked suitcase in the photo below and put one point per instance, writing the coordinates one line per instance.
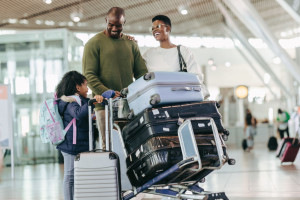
(151, 137)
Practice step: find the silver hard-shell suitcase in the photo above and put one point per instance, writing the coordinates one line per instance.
(97, 172)
(161, 88)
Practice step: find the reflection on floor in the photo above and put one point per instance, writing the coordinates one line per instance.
(256, 175)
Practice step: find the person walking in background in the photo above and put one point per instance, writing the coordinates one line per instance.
(250, 129)
(110, 62)
(166, 57)
(282, 119)
(73, 83)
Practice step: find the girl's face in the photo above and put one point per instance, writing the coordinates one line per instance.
(82, 89)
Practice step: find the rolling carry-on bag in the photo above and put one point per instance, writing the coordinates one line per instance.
(157, 88)
(97, 172)
(163, 121)
(289, 151)
(281, 145)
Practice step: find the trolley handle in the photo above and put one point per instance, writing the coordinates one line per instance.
(92, 101)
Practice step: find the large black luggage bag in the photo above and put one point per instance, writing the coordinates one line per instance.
(163, 121)
(162, 152)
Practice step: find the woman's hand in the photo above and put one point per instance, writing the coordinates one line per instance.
(129, 37)
(98, 98)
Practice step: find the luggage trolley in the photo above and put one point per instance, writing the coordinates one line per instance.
(190, 157)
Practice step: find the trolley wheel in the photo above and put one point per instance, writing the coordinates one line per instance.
(231, 161)
(130, 115)
(226, 132)
(202, 180)
(225, 137)
(147, 76)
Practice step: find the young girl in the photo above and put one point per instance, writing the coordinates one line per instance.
(73, 83)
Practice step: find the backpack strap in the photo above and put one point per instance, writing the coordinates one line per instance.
(73, 122)
(181, 60)
(49, 111)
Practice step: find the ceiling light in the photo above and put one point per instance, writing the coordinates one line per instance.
(49, 22)
(23, 21)
(76, 16)
(12, 21)
(48, 1)
(39, 22)
(70, 23)
(62, 23)
(276, 60)
(227, 64)
(183, 10)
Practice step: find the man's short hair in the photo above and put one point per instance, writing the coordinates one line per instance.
(117, 11)
(163, 18)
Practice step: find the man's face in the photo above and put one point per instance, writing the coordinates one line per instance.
(114, 26)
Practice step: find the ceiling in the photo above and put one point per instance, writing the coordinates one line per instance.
(203, 18)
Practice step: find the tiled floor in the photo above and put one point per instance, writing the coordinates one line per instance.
(257, 175)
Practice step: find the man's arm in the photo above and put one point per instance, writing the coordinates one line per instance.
(91, 67)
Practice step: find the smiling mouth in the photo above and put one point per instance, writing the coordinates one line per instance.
(156, 34)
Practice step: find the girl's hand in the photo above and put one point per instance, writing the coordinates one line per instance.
(98, 98)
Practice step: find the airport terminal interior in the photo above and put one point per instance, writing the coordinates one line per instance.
(247, 50)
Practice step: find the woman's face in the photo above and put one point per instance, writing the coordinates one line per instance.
(160, 30)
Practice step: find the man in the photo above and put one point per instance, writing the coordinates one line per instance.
(282, 119)
(111, 61)
(166, 56)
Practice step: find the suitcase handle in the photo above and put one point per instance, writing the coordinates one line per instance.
(184, 115)
(198, 89)
(181, 89)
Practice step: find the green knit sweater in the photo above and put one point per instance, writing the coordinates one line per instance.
(111, 64)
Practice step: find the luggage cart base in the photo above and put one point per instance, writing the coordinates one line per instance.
(184, 192)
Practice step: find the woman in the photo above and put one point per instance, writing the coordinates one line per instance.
(250, 129)
(166, 56)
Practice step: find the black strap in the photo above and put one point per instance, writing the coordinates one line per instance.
(181, 60)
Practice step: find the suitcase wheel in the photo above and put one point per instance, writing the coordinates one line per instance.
(148, 76)
(130, 115)
(231, 161)
(218, 105)
(202, 180)
(155, 99)
(225, 137)
(226, 132)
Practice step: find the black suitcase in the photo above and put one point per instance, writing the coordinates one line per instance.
(163, 121)
(162, 152)
(244, 144)
(272, 143)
